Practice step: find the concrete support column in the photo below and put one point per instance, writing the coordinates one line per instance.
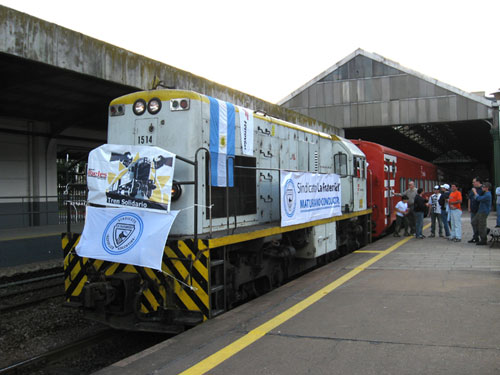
(44, 178)
(495, 133)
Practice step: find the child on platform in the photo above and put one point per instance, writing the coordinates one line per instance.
(401, 219)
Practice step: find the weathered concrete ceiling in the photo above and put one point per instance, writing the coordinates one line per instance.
(53, 74)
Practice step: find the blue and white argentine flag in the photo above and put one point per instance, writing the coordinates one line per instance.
(222, 129)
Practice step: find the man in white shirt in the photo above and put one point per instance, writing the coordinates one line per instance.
(401, 218)
(435, 209)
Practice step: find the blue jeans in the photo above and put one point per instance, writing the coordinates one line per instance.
(444, 219)
(498, 214)
(456, 224)
(419, 223)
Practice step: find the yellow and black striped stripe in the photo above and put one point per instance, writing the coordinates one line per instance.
(191, 266)
(181, 261)
(188, 267)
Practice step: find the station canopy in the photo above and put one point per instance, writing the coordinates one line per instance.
(379, 100)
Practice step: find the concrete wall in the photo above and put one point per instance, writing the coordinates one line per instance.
(365, 92)
(28, 169)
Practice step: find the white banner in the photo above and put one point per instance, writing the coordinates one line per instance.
(131, 176)
(307, 197)
(246, 130)
(125, 235)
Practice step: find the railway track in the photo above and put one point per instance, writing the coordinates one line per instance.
(23, 293)
(40, 361)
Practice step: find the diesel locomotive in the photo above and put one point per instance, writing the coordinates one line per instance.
(227, 244)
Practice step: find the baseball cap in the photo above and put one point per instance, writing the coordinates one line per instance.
(436, 187)
(446, 186)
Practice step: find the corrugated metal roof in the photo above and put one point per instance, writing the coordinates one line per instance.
(391, 64)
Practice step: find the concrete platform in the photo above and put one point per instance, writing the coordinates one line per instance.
(399, 306)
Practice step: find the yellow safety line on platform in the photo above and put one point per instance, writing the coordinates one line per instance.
(368, 251)
(30, 236)
(227, 352)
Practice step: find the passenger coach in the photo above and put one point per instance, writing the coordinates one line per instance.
(389, 172)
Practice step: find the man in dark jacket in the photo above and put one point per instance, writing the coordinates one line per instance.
(474, 206)
(420, 206)
(484, 209)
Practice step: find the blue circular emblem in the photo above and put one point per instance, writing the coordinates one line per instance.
(289, 198)
(122, 233)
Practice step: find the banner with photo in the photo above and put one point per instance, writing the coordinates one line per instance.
(131, 176)
(125, 235)
(307, 197)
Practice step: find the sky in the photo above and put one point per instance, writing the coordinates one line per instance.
(270, 48)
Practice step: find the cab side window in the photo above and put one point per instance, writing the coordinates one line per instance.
(340, 164)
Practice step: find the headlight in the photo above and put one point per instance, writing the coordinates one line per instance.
(176, 191)
(154, 106)
(139, 107)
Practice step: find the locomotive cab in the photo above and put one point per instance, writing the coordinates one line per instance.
(350, 164)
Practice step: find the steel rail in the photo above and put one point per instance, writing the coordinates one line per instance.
(58, 353)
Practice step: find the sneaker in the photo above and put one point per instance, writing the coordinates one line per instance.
(421, 237)
(457, 240)
(407, 234)
(451, 238)
(396, 235)
(432, 235)
(497, 226)
(472, 241)
(441, 235)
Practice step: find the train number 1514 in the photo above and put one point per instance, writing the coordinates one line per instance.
(144, 139)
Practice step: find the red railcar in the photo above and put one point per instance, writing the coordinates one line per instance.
(389, 172)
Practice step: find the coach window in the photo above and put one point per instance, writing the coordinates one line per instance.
(340, 164)
(243, 196)
(402, 186)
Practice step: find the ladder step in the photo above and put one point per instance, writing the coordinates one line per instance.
(216, 262)
(216, 288)
(214, 313)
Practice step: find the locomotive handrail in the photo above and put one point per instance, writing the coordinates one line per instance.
(233, 158)
(196, 183)
(70, 203)
(371, 187)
